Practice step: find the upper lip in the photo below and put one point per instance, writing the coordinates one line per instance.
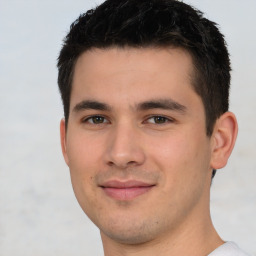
(125, 184)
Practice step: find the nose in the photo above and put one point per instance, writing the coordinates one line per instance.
(124, 147)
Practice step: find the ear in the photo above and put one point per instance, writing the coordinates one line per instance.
(223, 139)
(63, 140)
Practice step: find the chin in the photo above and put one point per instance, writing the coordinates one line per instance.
(129, 238)
(131, 232)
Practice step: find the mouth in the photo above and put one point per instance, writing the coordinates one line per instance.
(126, 190)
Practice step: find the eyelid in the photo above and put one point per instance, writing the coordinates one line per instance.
(168, 119)
(87, 118)
(146, 120)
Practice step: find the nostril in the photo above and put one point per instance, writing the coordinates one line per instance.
(111, 163)
(122, 165)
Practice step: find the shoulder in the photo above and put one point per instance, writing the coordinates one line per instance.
(228, 249)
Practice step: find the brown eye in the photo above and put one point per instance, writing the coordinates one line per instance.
(96, 120)
(158, 120)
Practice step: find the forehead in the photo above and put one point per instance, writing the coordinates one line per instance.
(114, 59)
(132, 74)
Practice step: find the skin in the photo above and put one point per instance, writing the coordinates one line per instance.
(134, 115)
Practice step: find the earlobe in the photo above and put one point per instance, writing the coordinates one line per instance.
(63, 140)
(223, 139)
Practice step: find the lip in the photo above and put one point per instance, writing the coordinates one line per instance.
(125, 190)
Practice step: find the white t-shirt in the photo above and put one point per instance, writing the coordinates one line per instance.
(228, 249)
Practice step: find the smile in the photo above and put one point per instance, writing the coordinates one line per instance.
(125, 190)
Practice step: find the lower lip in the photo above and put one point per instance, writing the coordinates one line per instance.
(126, 193)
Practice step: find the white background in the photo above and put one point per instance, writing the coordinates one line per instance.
(39, 214)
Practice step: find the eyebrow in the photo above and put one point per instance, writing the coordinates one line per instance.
(167, 104)
(91, 104)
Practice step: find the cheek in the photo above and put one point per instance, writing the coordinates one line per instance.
(84, 155)
(170, 151)
(183, 162)
(83, 152)
(181, 158)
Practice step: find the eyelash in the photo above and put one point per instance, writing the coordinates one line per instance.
(163, 118)
(104, 120)
(86, 120)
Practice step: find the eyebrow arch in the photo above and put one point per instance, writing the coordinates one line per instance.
(91, 104)
(167, 104)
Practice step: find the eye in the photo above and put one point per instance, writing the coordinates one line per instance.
(159, 120)
(95, 120)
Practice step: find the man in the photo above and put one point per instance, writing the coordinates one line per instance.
(145, 88)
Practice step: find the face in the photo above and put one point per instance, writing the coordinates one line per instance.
(136, 143)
